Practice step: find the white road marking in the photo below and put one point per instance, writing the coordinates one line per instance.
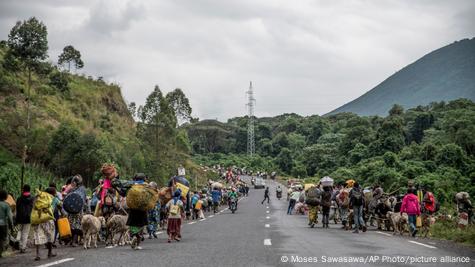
(267, 207)
(386, 234)
(203, 220)
(267, 225)
(211, 216)
(191, 222)
(267, 242)
(414, 242)
(55, 262)
(268, 217)
(110, 247)
(267, 211)
(159, 232)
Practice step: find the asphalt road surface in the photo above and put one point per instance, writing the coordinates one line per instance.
(262, 235)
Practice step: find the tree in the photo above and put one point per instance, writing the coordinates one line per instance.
(179, 104)
(284, 160)
(71, 55)
(28, 43)
(132, 107)
(396, 110)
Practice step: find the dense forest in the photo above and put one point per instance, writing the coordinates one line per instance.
(433, 144)
(62, 123)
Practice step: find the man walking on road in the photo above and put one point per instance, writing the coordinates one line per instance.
(294, 197)
(357, 202)
(266, 196)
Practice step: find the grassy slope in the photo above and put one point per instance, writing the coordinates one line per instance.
(91, 105)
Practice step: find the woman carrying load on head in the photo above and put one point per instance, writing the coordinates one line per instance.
(175, 215)
(137, 218)
(106, 192)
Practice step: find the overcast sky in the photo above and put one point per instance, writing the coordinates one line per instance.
(307, 57)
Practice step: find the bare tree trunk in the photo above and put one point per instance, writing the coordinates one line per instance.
(25, 148)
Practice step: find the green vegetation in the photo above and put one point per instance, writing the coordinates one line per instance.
(442, 75)
(447, 230)
(434, 145)
(72, 123)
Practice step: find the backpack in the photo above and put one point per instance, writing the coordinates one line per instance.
(313, 196)
(174, 209)
(42, 210)
(73, 203)
(357, 197)
(344, 200)
(430, 206)
(326, 199)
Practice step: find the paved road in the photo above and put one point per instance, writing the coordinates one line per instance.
(257, 235)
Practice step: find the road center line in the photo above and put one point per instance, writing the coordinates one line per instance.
(55, 262)
(386, 234)
(191, 222)
(267, 242)
(267, 207)
(268, 217)
(267, 225)
(267, 211)
(414, 242)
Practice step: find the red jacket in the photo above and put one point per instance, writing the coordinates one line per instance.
(410, 205)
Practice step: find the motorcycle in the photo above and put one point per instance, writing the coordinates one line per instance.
(279, 195)
(233, 205)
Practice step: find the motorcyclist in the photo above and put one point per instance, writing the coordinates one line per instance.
(232, 194)
(278, 191)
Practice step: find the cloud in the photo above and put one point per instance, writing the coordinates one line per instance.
(307, 57)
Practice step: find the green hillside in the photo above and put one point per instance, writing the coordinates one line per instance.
(445, 74)
(434, 145)
(78, 122)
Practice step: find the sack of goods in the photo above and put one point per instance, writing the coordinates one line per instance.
(326, 181)
(461, 196)
(307, 186)
(73, 203)
(142, 197)
(313, 197)
(217, 185)
(184, 189)
(42, 210)
(11, 202)
(165, 194)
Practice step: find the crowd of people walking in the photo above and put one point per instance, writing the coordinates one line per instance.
(68, 216)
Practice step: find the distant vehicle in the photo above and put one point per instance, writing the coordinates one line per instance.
(259, 183)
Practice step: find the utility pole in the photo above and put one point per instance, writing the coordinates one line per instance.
(251, 147)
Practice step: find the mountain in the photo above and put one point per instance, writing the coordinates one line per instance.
(445, 74)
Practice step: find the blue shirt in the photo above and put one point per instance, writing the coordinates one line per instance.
(216, 195)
